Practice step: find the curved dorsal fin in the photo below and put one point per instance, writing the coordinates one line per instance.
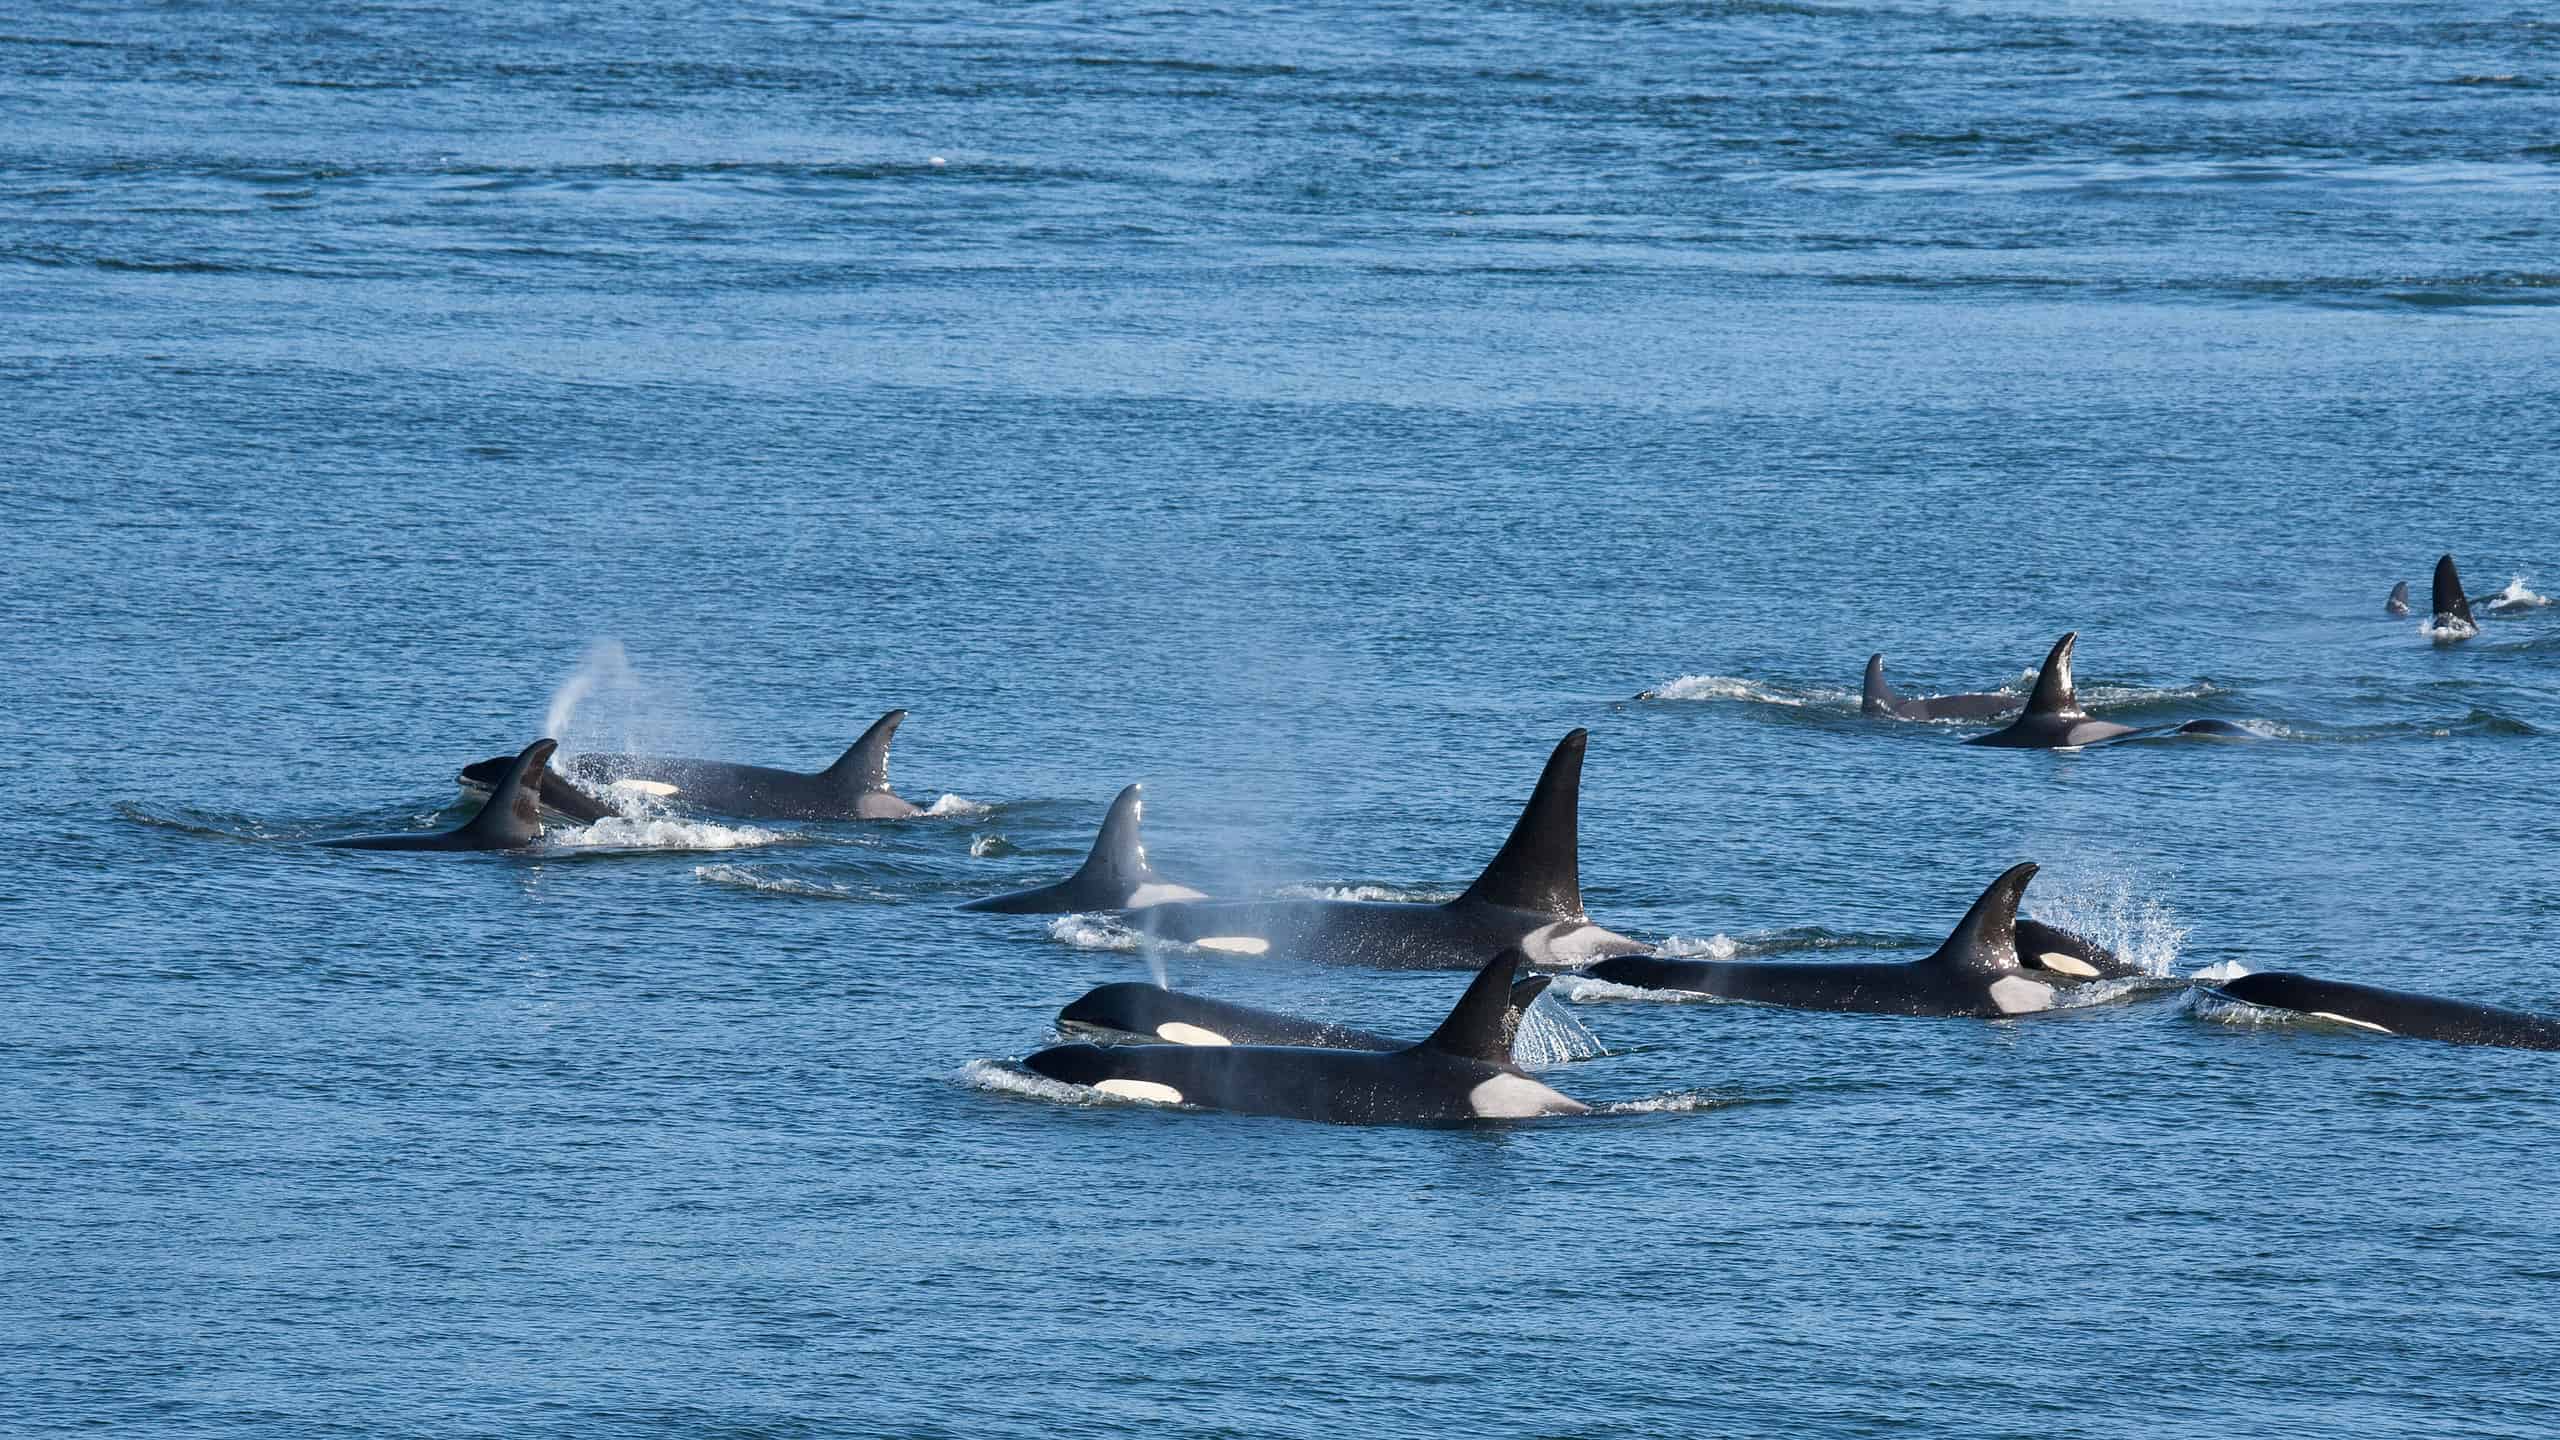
(2053, 693)
(866, 765)
(2449, 597)
(1480, 1027)
(2398, 604)
(1117, 858)
(1878, 698)
(1986, 939)
(1540, 867)
(513, 816)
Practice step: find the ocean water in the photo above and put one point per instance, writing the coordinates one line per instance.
(1314, 415)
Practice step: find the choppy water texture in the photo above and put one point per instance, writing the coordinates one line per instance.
(1314, 417)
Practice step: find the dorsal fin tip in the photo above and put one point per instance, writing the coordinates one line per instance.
(1117, 849)
(2054, 694)
(1539, 868)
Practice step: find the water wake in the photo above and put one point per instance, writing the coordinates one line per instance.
(619, 832)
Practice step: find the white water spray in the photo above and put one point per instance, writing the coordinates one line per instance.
(603, 664)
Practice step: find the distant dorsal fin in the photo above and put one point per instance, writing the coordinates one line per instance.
(513, 815)
(2449, 597)
(2398, 604)
(1117, 858)
(1480, 1027)
(866, 765)
(1540, 867)
(1879, 698)
(2053, 693)
(1986, 940)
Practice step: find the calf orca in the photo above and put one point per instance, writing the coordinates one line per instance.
(2452, 609)
(2054, 719)
(1529, 897)
(1135, 1010)
(1114, 876)
(2067, 952)
(511, 820)
(2396, 1012)
(856, 787)
(560, 795)
(2398, 604)
(1976, 972)
(1880, 699)
(1463, 1072)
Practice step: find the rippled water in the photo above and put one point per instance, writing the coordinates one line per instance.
(1314, 417)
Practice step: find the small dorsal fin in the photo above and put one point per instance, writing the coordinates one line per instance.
(1480, 1027)
(2053, 693)
(1879, 698)
(1117, 859)
(2398, 604)
(513, 815)
(2449, 597)
(1540, 867)
(866, 765)
(1986, 940)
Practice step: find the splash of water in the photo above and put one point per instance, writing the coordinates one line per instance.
(604, 664)
(1551, 1036)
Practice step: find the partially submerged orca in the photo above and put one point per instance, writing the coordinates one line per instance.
(1463, 1072)
(2398, 604)
(2053, 718)
(1134, 1010)
(1529, 897)
(560, 795)
(1115, 874)
(2068, 952)
(511, 820)
(1880, 698)
(2452, 609)
(856, 787)
(1978, 971)
(2396, 1012)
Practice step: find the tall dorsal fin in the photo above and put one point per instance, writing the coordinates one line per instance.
(866, 765)
(1540, 867)
(513, 815)
(1116, 858)
(1879, 698)
(1986, 939)
(2449, 597)
(1480, 1027)
(2053, 693)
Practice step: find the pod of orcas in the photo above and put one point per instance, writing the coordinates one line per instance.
(1524, 910)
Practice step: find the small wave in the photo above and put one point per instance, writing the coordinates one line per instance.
(1093, 932)
(2104, 992)
(2517, 597)
(188, 820)
(2220, 1009)
(1718, 946)
(1670, 1102)
(998, 1078)
(2132, 697)
(989, 847)
(957, 805)
(617, 832)
(741, 877)
(1551, 1036)
(1750, 692)
(1365, 893)
(2454, 628)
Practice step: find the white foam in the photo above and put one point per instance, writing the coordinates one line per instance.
(1367, 894)
(743, 878)
(1009, 1080)
(1092, 932)
(2517, 597)
(956, 805)
(1718, 946)
(2454, 629)
(1583, 990)
(1670, 1102)
(1752, 692)
(1549, 1036)
(617, 832)
(982, 846)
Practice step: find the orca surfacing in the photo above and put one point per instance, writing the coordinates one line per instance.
(510, 820)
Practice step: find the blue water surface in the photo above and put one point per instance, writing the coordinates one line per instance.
(1314, 413)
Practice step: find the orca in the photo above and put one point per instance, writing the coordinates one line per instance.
(1462, 1073)
(1529, 897)
(1977, 971)
(1134, 1010)
(511, 820)
(2452, 620)
(2398, 604)
(560, 795)
(1881, 699)
(2053, 718)
(2396, 1012)
(1115, 874)
(2217, 730)
(2068, 952)
(856, 787)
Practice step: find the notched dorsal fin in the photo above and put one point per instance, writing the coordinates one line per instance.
(1540, 867)
(513, 815)
(2053, 693)
(2449, 597)
(1480, 1028)
(866, 765)
(1879, 698)
(1116, 855)
(1986, 940)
